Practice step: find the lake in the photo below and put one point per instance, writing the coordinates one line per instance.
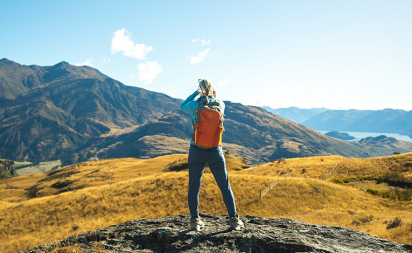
(360, 135)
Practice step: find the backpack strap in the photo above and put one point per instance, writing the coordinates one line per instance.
(203, 104)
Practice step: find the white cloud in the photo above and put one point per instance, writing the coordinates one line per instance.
(148, 71)
(199, 58)
(203, 42)
(223, 82)
(122, 43)
(88, 62)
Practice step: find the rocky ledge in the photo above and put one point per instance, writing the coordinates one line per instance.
(7, 169)
(171, 234)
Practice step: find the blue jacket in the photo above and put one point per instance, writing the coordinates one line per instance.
(190, 106)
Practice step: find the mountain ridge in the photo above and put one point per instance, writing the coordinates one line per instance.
(295, 114)
(66, 107)
(69, 113)
(269, 137)
(321, 119)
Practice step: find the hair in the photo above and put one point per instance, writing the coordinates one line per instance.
(207, 88)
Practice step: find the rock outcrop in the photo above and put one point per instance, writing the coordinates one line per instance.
(171, 234)
(7, 169)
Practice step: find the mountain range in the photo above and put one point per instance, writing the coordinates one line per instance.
(76, 113)
(376, 121)
(296, 114)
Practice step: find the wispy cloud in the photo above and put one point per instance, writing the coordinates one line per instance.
(148, 71)
(122, 43)
(202, 41)
(88, 62)
(198, 58)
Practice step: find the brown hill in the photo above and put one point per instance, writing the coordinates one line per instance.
(48, 112)
(251, 132)
(378, 145)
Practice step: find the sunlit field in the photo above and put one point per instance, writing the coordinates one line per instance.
(328, 190)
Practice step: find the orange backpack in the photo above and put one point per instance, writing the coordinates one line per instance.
(208, 125)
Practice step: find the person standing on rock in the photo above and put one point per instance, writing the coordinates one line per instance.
(205, 147)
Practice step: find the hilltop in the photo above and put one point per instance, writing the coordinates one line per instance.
(171, 234)
(372, 195)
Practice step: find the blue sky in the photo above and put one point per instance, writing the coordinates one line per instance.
(333, 54)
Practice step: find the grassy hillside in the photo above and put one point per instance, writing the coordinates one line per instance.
(329, 190)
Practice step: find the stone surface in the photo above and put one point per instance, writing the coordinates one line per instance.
(7, 169)
(171, 234)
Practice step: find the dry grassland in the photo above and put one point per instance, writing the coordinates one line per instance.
(43, 208)
(42, 167)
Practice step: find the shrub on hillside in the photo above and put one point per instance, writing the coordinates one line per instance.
(397, 222)
(395, 179)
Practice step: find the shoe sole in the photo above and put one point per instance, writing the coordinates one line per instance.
(198, 228)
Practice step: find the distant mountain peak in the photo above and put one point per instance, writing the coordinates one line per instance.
(6, 61)
(62, 64)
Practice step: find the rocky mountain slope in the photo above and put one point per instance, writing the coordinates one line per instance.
(47, 112)
(7, 169)
(171, 234)
(251, 132)
(69, 113)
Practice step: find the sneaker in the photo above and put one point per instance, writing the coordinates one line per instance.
(196, 224)
(236, 223)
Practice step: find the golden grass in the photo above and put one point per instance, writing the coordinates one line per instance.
(320, 202)
(354, 169)
(313, 167)
(107, 192)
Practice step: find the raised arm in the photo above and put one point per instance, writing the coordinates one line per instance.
(189, 105)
